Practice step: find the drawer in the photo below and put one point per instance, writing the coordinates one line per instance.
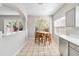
(72, 52)
(74, 46)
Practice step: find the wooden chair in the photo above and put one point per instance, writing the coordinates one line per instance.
(42, 38)
(47, 37)
(38, 37)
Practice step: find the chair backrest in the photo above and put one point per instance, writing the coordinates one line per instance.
(37, 34)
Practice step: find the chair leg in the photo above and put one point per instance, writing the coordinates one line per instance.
(39, 41)
(45, 40)
(49, 41)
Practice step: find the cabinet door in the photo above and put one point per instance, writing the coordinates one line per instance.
(70, 18)
(73, 52)
(76, 47)
(63, 47)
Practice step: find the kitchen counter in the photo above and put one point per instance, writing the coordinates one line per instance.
(13, 33)
(10, 44)
(71, 38)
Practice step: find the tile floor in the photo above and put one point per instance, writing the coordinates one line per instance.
(32, 49)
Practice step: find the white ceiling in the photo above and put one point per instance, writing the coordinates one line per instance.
(42, 9)
(4, 10)
(36, 8)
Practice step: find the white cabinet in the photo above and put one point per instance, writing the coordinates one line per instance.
(73, 50)
(72, 17)
(60, 22)
(63, 47)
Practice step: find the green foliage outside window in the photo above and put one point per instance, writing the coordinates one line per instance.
(41, 23)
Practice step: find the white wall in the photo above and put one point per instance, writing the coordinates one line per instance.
(31, 21)
(30, 25)
(23, 11)
(1, 25)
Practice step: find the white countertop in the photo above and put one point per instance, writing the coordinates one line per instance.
(13, 33)
(71, 38)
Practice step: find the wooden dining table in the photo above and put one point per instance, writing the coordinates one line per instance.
(42, 37)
